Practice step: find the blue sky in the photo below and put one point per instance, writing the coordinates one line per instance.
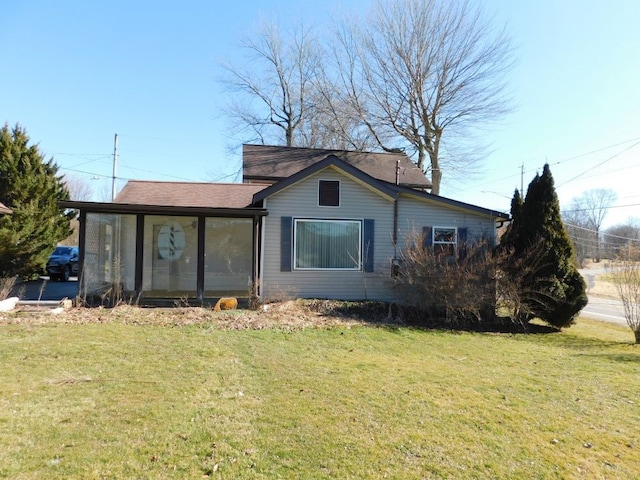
(74, 73)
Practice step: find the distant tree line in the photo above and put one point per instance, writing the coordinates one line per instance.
(583, 219)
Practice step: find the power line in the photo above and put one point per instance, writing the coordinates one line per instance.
(597, 150)
(86, 173)
(575, 157)
(605, 238)
(124, 178)
(156, 173)
(599, 208)
(599, 164)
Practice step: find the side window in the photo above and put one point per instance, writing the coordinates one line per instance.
(328, 193)
(444, 241)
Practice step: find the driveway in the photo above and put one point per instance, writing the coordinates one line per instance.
(45, 289)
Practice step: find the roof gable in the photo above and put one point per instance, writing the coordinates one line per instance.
(188, 194)
(383, 188)
(274, 163)
(329, 162)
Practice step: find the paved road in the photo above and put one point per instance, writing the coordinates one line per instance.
(604, 309)
(45, 289)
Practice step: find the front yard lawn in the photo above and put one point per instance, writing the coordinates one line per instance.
(123, 398)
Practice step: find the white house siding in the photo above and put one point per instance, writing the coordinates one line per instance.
(301, 201)
(415, 214)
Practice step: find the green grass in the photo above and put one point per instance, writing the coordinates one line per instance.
(116, 400)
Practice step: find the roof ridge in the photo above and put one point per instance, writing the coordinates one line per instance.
(176, 182)
(368, 152)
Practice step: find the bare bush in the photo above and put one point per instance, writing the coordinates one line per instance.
(480, 284)
(6, 286)
(626, 278)
(448, 289)
(519, 297)
(111, 292)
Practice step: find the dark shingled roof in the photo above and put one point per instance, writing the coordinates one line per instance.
(271, 163)
(189, 194)
(4, 209)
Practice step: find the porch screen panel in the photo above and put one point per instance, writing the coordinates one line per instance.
(170, 263)
(109, 253)
(228, 256)
(327, 244)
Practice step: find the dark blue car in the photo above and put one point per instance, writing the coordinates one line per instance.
(63, 263)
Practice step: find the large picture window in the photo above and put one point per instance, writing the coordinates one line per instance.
(327, 244)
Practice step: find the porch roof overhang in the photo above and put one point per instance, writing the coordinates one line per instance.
(134, 208)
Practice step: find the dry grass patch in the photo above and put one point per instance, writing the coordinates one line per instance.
(288, 315)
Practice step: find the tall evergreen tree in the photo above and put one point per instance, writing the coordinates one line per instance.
(516, 211)
(558, 290)
(31, 187)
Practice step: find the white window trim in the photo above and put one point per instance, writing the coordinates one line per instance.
(339, 193)
(455, 237)
(357, 268)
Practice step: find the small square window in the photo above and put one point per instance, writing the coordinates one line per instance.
(444, 241)
(329, 193)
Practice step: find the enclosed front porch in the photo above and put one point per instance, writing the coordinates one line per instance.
(163, 256)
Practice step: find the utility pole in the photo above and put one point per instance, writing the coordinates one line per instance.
(115, 167)
(522, 180)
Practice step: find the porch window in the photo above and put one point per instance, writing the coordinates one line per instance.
(327, 244)
(170, 262)
(228, 256)
(109, 253)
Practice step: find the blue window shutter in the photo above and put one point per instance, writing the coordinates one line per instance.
(462, 235)
(368, 244)
(427, 237)
(286, 235)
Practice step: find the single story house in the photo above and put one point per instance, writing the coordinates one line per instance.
(304, 223)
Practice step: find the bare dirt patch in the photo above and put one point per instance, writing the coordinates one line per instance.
(287, 315)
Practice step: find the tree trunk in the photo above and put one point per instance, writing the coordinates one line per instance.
(436, 173)
(637, 334)
(436, 178)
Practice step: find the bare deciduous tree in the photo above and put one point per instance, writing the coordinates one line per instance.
(626, 278)
(418, 69)
(621, 237)
(589, 210)
(580, 234)
(79, 188)
(420, 76)
(273, 97)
